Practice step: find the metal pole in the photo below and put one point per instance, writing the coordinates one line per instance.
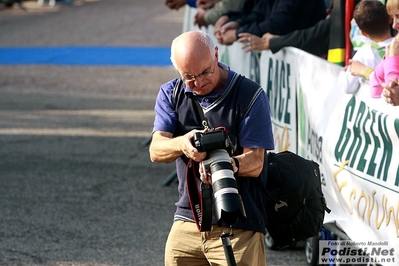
(228, 250)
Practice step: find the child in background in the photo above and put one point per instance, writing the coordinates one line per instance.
(388, 70)
(373, 20)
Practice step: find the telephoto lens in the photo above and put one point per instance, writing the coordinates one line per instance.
(228, 203)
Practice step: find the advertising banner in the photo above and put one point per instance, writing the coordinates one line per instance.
(352, 137)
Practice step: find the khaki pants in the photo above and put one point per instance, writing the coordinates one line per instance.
(188, 247)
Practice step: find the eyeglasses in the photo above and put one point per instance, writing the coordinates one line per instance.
(206, 73)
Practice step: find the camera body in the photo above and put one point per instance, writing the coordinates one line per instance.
(213, 140)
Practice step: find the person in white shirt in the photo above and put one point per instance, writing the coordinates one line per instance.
(374, 23)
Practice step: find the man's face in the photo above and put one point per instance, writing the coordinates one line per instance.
(199, 76)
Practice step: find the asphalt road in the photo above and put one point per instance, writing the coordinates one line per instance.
(76, 183)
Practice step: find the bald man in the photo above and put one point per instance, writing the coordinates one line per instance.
(239, 105)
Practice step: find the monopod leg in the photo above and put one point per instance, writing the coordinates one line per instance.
(228, 250)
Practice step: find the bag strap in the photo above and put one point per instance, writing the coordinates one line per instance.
(200, 112)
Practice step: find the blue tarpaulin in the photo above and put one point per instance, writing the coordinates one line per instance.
(106, 56)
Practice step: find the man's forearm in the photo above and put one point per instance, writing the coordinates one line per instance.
(251, 162)
(165, 149)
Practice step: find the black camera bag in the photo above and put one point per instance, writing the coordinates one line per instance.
(295, 201)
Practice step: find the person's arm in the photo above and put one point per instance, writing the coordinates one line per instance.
(255, 135)
(313, 40)
(221, 8)
(164, 148)
(250, 162)
(349, 82)
(285, 17)
(376, 80)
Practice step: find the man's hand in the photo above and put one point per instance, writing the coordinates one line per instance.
(205, 174)
(199, 18)
(205, 4)
(266, 40)
(232, 25)
(175, 4)
(229, 37)
(189, 150)
(255, 43)
(218, 26)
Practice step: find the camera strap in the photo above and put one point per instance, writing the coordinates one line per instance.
(200, 112)
(201, 204)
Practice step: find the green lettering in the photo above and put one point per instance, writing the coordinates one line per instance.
(387, 150)
(377, 144)
(362, 160)
(357, 138)
(345, 134)
(287, 117)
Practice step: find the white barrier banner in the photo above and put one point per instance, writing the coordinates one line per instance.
(354, 139)
(279, 78)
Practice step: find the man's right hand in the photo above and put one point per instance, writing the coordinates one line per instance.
(188, 148)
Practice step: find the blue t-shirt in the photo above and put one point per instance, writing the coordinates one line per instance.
(239, 98)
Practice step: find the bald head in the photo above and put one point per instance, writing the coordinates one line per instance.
(190, 47)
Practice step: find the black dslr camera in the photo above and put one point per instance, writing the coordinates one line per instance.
(219, 147)
(213, 140)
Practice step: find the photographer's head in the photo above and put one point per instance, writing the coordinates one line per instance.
(195, 57)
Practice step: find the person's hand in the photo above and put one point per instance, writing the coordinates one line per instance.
(199, 18)
(255, 43)
(218, 26)
(266, 40)
(205, 174)
(175, 4)
(250, 41)
(357, 68)
(231, 25)
(392, 48)
(189, 150)
(205, 4)
(391, 92)
(229, 37)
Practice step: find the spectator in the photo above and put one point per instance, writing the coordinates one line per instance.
(388, 69)
(374, 23)
(209, 14)
(236, 103)
(276, 17)
(313, 40)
